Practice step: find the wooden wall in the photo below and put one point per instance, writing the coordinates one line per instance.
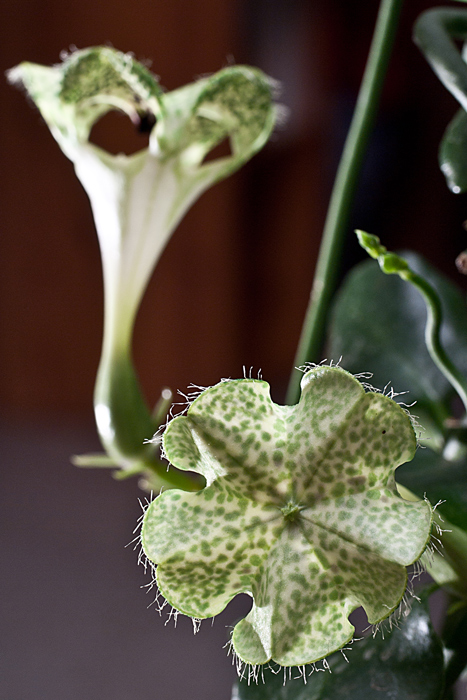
(233, 283)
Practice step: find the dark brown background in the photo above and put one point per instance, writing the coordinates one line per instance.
(230, 290)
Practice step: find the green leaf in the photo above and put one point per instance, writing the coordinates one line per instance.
(378, 326)
(300, 511)
(406, 664)
(453, 153)
(449, 567)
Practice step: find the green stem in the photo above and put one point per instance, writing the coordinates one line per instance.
(125, 424)
(433, 335)
(345, 186)
(392, 264)
(124, 421)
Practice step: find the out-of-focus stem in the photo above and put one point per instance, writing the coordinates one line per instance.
(345, 186)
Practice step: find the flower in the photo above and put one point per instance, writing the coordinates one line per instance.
(138, 200)
(300, 510)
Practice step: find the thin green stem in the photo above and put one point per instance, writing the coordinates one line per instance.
(433, 335)
(392, 264)
(345, 186)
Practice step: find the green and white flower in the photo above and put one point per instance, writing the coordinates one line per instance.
(138, 200)
(300, 511)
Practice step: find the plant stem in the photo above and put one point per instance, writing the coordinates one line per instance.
(392, 264)
(345, 186)
(433, 335)
(125, 424)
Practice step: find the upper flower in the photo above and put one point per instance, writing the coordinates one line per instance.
(300, 510)
(138, 200)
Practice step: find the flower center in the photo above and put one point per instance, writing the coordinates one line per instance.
(291, 511)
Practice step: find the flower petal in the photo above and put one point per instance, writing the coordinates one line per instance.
(379, 521)
(336, 533)
(73, 95)
(236, 102)
(238, 431)
(344, 438)
(208, 546)
(292, 620)
(305, 595)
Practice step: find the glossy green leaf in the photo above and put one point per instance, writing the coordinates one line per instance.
(437, 32)
(391, 263)
(378, 326)
(407, 664)
(453, 153)
(300, 511)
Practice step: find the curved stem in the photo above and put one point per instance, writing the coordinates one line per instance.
(392, 264)
(433, 335)
(345, 186)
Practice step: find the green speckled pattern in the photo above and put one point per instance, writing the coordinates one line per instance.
(300, 511)
(235, 103)
(92, 73)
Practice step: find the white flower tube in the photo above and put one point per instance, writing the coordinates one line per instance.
(138, 200)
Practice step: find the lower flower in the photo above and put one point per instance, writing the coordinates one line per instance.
(300, 511)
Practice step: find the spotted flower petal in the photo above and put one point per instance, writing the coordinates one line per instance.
(300, 511)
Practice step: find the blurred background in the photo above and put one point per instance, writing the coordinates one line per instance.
(230, 291)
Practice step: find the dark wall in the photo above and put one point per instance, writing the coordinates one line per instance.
(51, 288)
(232, 286)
